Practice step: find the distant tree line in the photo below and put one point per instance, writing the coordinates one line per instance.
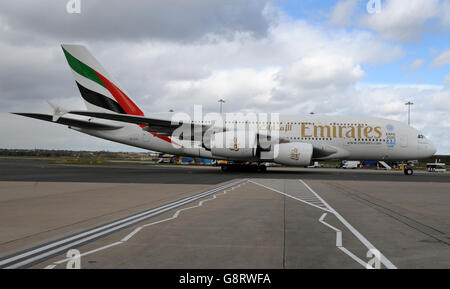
(72, 154)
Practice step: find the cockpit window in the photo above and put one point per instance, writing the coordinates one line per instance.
(420, 136)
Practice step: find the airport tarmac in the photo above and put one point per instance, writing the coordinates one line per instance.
(199, 217)
(32, 170)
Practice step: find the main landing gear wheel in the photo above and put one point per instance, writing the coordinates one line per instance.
(243, 168)
(261, 169)
(408, 171)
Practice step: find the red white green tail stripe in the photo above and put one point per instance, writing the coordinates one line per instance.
(120, 102)
(96, 87)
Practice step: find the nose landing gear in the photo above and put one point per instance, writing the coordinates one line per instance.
(407, 170)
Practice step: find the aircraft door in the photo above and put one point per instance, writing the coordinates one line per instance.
(403, 140)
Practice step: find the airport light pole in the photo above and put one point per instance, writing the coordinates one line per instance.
(221, 101)
(409, 103)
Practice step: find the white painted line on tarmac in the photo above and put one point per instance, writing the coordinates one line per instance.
(44, 251)
(135, 231)
(339, 242)
(127, 237)
(338, 232)
(287, 195)
(355, 257)
(133, 218)
(320, 203)
(357, 234)
(87, 253)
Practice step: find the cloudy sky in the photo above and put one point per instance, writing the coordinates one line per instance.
(293, 57)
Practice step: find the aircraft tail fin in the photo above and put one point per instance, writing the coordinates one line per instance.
(96, 87)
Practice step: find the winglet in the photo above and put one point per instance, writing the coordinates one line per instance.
(57, 111)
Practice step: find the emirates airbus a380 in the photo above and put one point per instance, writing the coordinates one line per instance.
(291, 141)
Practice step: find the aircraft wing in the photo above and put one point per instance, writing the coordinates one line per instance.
(323, 150)
(159, 125)
(319, 150)
(70, 121)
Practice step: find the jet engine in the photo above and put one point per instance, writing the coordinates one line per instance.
(234, 144)
(293, 154)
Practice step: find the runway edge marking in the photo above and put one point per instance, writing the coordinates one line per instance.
(138, 229)
(43, 252)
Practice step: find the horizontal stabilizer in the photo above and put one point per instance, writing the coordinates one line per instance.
(70, 121)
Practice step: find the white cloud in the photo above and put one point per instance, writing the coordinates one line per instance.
(404, 20)
(442, 59)
(320, 70)
(343, 12)
(242, 88)
(429, 114)
(418, 63)
(445, 14)
(447, 80)
(161, 75)
(132, 19)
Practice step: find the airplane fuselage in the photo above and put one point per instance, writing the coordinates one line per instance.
(352, 138)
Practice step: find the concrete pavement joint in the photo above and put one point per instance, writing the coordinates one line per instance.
(322, 205)
(135, 231)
